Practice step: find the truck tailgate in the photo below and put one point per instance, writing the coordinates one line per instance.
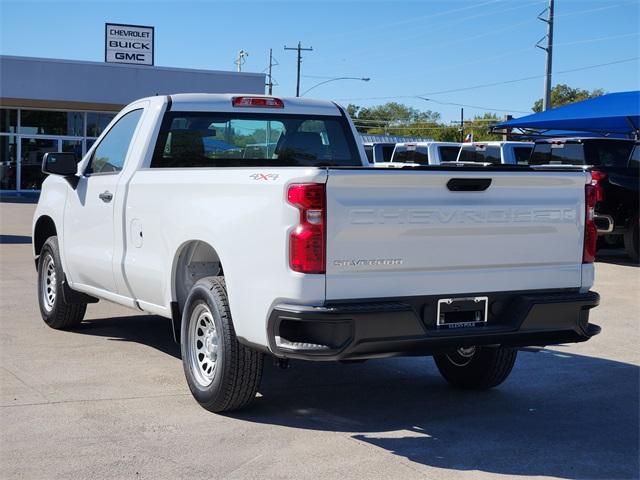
(393, 233)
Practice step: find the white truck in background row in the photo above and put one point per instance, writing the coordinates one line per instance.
(496, 153)
(254, 223)
(424, 153)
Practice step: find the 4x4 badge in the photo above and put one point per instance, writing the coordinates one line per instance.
(264, 176)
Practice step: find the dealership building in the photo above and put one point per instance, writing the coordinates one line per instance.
(49, 105)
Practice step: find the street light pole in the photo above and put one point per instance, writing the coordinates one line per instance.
(362, 79)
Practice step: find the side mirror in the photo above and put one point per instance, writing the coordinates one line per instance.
(64, 164)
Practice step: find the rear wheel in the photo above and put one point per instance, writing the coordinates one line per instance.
(222, 374)
(631, 241)
(55, 310)
(476, 368)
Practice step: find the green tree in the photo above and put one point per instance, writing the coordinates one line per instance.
(381, 118)
(563, 94)
(479, 127)
(397, 119)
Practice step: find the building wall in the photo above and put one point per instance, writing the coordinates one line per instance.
(112, 84)
(49, 105)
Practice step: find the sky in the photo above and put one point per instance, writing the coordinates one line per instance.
(478, 53)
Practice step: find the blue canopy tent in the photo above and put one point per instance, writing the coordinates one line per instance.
(614, 114)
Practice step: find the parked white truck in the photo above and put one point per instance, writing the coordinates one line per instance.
(253, 223)
(424, 153)
(505, 153)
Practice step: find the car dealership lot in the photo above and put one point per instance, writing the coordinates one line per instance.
(109, 400)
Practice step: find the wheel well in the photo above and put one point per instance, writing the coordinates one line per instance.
(195, 260)
(44, 229)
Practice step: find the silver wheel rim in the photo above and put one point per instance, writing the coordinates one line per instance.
(462, 356)
(203, 344)
(48, 282)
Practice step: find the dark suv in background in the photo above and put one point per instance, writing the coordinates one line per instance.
(614, 165)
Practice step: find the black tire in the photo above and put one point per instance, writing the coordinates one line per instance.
(480, 369)
(631, 241)
(230, 379)
(55, 310)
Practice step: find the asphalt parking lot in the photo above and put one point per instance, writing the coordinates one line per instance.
(109, 401)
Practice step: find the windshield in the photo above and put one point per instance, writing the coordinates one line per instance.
(200, 139)
(480, 153)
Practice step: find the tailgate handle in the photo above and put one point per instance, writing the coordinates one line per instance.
(468, 184)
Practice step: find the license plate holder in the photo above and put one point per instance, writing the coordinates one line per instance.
(462, 312)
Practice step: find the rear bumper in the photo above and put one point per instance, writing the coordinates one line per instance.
(375, 329)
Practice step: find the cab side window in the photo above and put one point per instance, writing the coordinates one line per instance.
(109, 155)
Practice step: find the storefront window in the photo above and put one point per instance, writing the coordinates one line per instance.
(41, 131)
(8, 163)
(32, 151)
(97, 122)
(73, 146)
(8, 120)
(41, 122)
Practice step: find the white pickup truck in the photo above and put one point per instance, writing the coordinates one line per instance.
(424, 153)
(254, 223)
(506, 153)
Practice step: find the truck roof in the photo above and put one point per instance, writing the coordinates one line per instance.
(581, 139)
(221, 102)
(426, 144)
(497, 143)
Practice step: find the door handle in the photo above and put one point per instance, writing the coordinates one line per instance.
(106, 196)
(468, 184)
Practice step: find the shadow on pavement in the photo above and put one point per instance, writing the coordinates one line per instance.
(615, 257)
(15, 239)
(558, 414)
(150, 330)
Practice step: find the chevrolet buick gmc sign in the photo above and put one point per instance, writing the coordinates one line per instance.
(128, 44)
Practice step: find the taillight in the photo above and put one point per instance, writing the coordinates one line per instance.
(259, 102)
(590, 230)
(596, 180)
(307, 240)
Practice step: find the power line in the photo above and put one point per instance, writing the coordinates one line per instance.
(471, 106)
(493, 84)
(485, 60)
(466, 39)
(447, 26)
(388, 26)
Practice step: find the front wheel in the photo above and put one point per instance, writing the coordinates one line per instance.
(54, 308)
(476, 368)
(222, 374)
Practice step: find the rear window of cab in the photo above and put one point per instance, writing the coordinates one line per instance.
(605, 153)
(202, 139)
(480, 154)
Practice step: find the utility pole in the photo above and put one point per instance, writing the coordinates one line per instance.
(461, 125)
(270, 82)
(546, 99)
(300, 50)
(241, 59)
